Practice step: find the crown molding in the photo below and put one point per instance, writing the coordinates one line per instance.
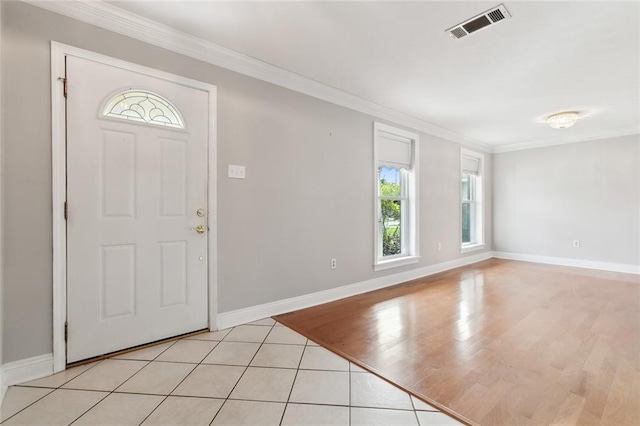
(541, 143)
(114, 19)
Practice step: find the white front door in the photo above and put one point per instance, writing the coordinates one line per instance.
(136, 193)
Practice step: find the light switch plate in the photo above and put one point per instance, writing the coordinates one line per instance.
(236, 172)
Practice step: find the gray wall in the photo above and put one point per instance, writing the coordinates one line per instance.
(547, 197)
(1, 220)
(307, 197)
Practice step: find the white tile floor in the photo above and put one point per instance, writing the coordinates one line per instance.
(256, 374)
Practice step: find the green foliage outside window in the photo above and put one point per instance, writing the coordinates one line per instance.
(391, 216)
(466, 223)
(468, 194)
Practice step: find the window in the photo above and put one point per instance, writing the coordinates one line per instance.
(471, 211)
(393, 203)
(143, 107)
(396, 229)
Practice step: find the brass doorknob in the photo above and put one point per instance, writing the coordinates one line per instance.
(200, 229)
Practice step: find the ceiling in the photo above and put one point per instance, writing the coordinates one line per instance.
(495, 86)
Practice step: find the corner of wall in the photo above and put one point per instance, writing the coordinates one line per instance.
(638, 212)
(28, 369)
(564, 261)
(3, 387)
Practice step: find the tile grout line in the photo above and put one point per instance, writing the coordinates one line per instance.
(306, 345)
(216, 343)
(101, 399)
(52, 391)
(415, 412)
(179, 383)
(39, 399)
(245, 369)
(129, 378)
(350, 372)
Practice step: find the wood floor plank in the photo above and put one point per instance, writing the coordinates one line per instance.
(499, 342)
(569, 411)
(632, 413)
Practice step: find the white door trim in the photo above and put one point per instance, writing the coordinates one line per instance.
(59, 194)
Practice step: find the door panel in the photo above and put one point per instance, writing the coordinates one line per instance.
(137, 270)
(117, 281)
(118, 174)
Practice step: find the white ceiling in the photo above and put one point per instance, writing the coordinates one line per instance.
(495, 86)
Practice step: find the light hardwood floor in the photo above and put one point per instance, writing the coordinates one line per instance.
(499, 342)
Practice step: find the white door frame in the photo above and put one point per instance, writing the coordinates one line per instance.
(59, 183)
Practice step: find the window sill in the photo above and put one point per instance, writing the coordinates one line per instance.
(395, 263)
(471, 247)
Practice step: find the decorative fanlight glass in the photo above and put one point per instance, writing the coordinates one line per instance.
(144, 107)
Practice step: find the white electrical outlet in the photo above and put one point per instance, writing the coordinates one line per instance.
(334, 264)
(576, 243)
(439, 246)
(236, 172)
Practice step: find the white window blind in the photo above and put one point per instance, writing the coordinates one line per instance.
(395, 151)
(470, 165)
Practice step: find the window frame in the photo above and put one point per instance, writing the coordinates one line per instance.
(476, 203)
(409, 230)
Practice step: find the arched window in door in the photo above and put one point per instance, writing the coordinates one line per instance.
(144, 107)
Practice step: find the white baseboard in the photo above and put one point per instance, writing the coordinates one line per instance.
(563, 261)
(21, 371)
(253, 313)
(25, 370)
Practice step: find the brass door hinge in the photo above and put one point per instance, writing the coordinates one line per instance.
(64, 85)
(66, 211)
(66, 331)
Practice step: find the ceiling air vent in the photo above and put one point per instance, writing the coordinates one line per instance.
(479, 22)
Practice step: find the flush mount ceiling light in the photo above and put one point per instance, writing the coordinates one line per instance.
(562, 120)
